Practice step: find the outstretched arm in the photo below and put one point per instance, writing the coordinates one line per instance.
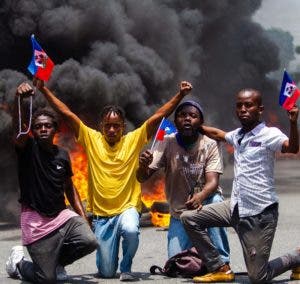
(144, 172)
(167, 108)
(292, 145)
(23, 90)
(72, 119)
(213, 133)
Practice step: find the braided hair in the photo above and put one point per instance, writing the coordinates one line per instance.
(107, 110)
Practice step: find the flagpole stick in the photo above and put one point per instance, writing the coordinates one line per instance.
(152, 145)
(154, 140)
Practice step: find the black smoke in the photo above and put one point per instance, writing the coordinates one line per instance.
(133, 53)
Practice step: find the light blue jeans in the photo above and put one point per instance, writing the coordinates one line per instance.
(108, 232)
(178, 239)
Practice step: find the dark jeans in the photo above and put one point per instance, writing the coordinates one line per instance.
(256, 234)
(68, 243)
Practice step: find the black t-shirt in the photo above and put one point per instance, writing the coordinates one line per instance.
(42, 175)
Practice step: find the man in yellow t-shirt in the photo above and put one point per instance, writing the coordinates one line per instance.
(114, 195)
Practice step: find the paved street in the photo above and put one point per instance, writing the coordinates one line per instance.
(152, 249)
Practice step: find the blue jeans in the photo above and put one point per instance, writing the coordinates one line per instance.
(178, 239)
(108, 231)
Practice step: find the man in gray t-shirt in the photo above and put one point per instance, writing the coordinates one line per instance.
(192, 163)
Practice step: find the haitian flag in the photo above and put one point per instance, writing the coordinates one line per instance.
(289, 92)
(165, 127)
(41, 65)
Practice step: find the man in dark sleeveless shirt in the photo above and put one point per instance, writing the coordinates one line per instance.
(54, 235)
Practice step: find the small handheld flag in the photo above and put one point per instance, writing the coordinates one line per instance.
(41, 65)
(289, 92)
(165, 127)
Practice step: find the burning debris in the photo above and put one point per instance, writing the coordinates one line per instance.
(158, 215)
(154, 199)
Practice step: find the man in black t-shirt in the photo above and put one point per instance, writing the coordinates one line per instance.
(54, 235)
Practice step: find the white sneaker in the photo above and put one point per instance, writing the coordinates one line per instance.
(61, 273)
(128, 276)
(16, 255)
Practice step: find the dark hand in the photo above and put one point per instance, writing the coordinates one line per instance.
(185, 87)
(145, 159)
(24, 90)
(194, 202)
(293, 114)
(38, 83)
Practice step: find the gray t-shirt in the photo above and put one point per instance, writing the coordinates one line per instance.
(184, 167)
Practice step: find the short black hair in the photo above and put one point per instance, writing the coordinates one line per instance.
(47, 112)
(255, 92)
(112, 109)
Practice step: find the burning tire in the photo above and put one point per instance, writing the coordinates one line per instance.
(160, 215)
(160, 206)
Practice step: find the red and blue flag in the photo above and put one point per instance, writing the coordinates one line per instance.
(41, 64)
(165, 127)
(289, 92)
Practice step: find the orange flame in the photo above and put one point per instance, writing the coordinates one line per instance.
(79, 166)
(156, 193)
(160, 219)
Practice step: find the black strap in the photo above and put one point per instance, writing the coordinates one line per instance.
(153, 269)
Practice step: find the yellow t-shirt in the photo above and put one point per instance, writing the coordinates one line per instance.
(112, 183)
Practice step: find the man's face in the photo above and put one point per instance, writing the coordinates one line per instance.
(112, 127)
(43, 129)
(248, 108)
(188, 121)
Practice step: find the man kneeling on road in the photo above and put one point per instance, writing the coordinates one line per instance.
(253, 208)
(54, 235)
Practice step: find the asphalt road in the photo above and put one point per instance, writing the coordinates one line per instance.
(152, 249)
